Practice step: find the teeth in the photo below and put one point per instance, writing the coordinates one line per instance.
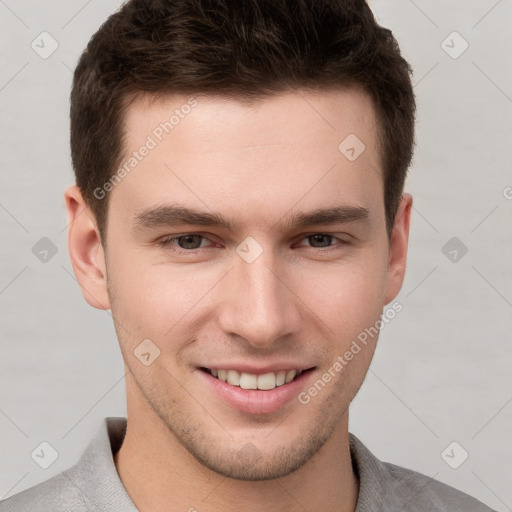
(280, 378)
(290, 376)
(267, 381)
(245, 380)
(233, 378)
(248, 381)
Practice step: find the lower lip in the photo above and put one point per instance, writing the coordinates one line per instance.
(256, 401)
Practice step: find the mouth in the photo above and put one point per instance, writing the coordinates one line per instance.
(264, 382)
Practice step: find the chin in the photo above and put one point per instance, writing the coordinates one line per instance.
(251, 463)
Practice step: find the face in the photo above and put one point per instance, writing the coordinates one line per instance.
(270, 289)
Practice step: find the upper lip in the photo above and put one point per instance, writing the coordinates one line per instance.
(258, 370)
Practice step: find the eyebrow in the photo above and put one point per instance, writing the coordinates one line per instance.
(176, 215)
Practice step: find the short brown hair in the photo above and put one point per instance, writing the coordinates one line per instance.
(241, 49)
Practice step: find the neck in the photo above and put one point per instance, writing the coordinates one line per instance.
(158, 473)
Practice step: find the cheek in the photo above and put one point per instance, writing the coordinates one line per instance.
(151, 300)
(348, 298)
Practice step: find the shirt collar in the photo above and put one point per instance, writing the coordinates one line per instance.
(96, 475)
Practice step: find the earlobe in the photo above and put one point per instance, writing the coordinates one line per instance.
(398, 248)
(85, 250)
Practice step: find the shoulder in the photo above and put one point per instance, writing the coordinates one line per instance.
(387, 487)
(418, 492)
(59, 493)
(91, 484)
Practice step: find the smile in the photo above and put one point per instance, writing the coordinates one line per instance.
(261, 392)
(244, 380)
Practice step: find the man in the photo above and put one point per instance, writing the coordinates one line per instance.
(239, 208)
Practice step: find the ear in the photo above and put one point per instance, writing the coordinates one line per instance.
(398, 248)
(85, 250)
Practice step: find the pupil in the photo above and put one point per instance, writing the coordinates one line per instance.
(197, 238)
(321, 236)
(188, 237)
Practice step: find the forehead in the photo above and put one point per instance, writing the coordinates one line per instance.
(283, 115)
(212, 151)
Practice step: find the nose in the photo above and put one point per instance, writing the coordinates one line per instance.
(259, 302)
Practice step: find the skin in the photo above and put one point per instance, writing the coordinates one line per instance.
(302, 298)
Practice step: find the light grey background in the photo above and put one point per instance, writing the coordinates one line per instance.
(441, 372)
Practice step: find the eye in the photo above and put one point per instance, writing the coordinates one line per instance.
(319, 240)
(188, 242)
(191, 242)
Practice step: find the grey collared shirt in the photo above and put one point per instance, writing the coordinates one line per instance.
(93, 484)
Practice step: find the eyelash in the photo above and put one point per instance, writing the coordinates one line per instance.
(166, 243)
